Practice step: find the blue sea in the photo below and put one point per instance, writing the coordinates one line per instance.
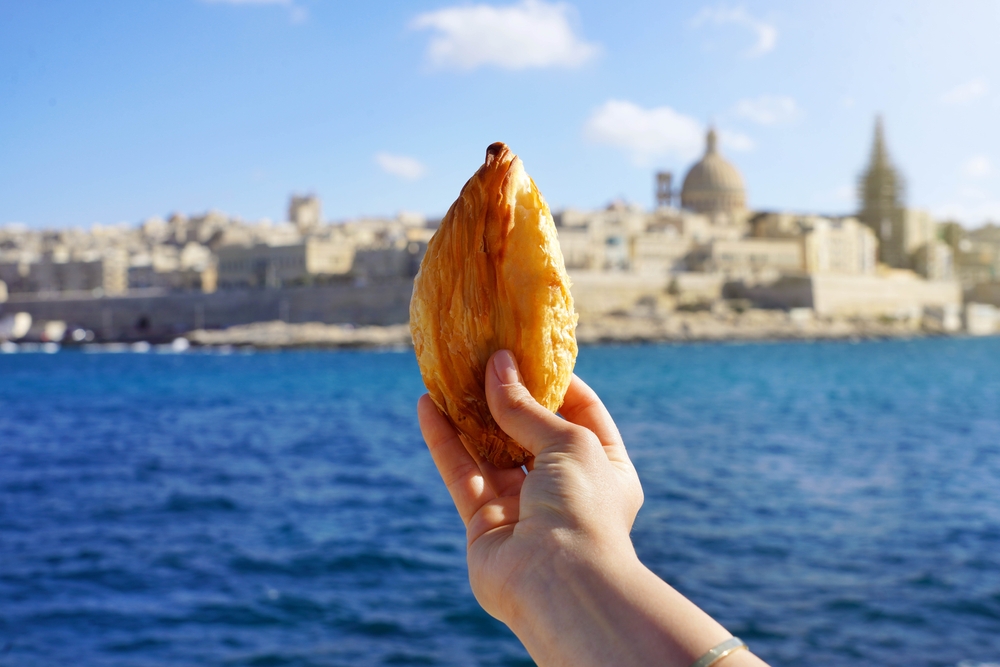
(830, 503)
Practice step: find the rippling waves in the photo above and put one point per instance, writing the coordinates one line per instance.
(832, 504)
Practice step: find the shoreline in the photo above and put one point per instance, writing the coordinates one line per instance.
(679, 327)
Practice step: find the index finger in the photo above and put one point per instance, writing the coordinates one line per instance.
(459, 471)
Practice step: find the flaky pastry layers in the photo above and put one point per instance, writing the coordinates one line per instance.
(493, 278)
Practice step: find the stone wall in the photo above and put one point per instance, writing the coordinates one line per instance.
(152, 315)
(984, 293)
(159, 315)
(599, 293)
(903, 296)
(875, 296)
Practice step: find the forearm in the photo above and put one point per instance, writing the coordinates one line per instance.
(613, 611)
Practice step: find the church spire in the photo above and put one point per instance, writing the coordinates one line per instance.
(880, 188)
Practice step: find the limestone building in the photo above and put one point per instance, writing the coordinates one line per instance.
(976, 252)
(753, 258)
(842, 246)
(305, 212)
(58, 271)
(168, 267)
(714, 187)
(262, 265)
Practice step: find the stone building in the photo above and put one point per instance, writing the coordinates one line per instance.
(305, 212)
(714, 187)
(599, 240)
(192, 267)
(659, 250)
(106, 273)
(262, 265)
(907, 231)
(934, 260)
(752, 258)
(838, 245)
(400, 258)
(977, 254)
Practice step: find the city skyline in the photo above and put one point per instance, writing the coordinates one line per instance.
(136, 110)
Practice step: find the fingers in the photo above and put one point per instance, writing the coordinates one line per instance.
(460, 472)
(503, 481)
(582, 406)
(519, 414)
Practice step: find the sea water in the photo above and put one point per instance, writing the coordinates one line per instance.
(830, 503)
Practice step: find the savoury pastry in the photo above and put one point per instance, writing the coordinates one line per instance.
(493, 278)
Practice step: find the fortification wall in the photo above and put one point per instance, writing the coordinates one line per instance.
(785, 293)
(985, 293)
(875, 296)
(858, 296)
(159, 315)
(599, 293)
(152, 315)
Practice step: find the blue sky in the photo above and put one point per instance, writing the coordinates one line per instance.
(117, 111)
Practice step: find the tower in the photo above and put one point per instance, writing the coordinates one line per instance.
(881, 191)
(664, 188)
(305, 212)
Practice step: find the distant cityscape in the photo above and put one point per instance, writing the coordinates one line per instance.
(699, 250)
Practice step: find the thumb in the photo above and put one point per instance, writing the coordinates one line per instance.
(517, 412)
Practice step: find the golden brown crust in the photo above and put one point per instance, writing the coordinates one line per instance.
(493, 278)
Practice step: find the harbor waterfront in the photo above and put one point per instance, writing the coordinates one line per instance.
(887, 271)
(831, 503)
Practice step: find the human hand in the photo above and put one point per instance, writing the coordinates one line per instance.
(577, 502)
(549, 551)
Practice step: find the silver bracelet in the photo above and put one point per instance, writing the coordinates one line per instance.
(719, 652)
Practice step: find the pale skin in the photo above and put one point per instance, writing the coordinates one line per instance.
(549, 551)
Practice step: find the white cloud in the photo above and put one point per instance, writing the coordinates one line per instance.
(766, 34)
(767, 109)
(978, 166)
(645, 133)
(407, 168)
(966, 93)
(529, 34)
(651, 133)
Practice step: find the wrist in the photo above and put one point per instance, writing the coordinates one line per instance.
(553, 574)
(595, 604)
(566, 592)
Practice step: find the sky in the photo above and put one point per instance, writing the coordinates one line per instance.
(115, 111)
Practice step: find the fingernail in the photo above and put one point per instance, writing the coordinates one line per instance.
(506, 367)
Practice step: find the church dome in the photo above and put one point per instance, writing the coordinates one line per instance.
(713, 184)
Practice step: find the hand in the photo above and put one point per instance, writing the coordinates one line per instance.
(549, 551)
(581, 495)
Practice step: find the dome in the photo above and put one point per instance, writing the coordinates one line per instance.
(713, 184)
